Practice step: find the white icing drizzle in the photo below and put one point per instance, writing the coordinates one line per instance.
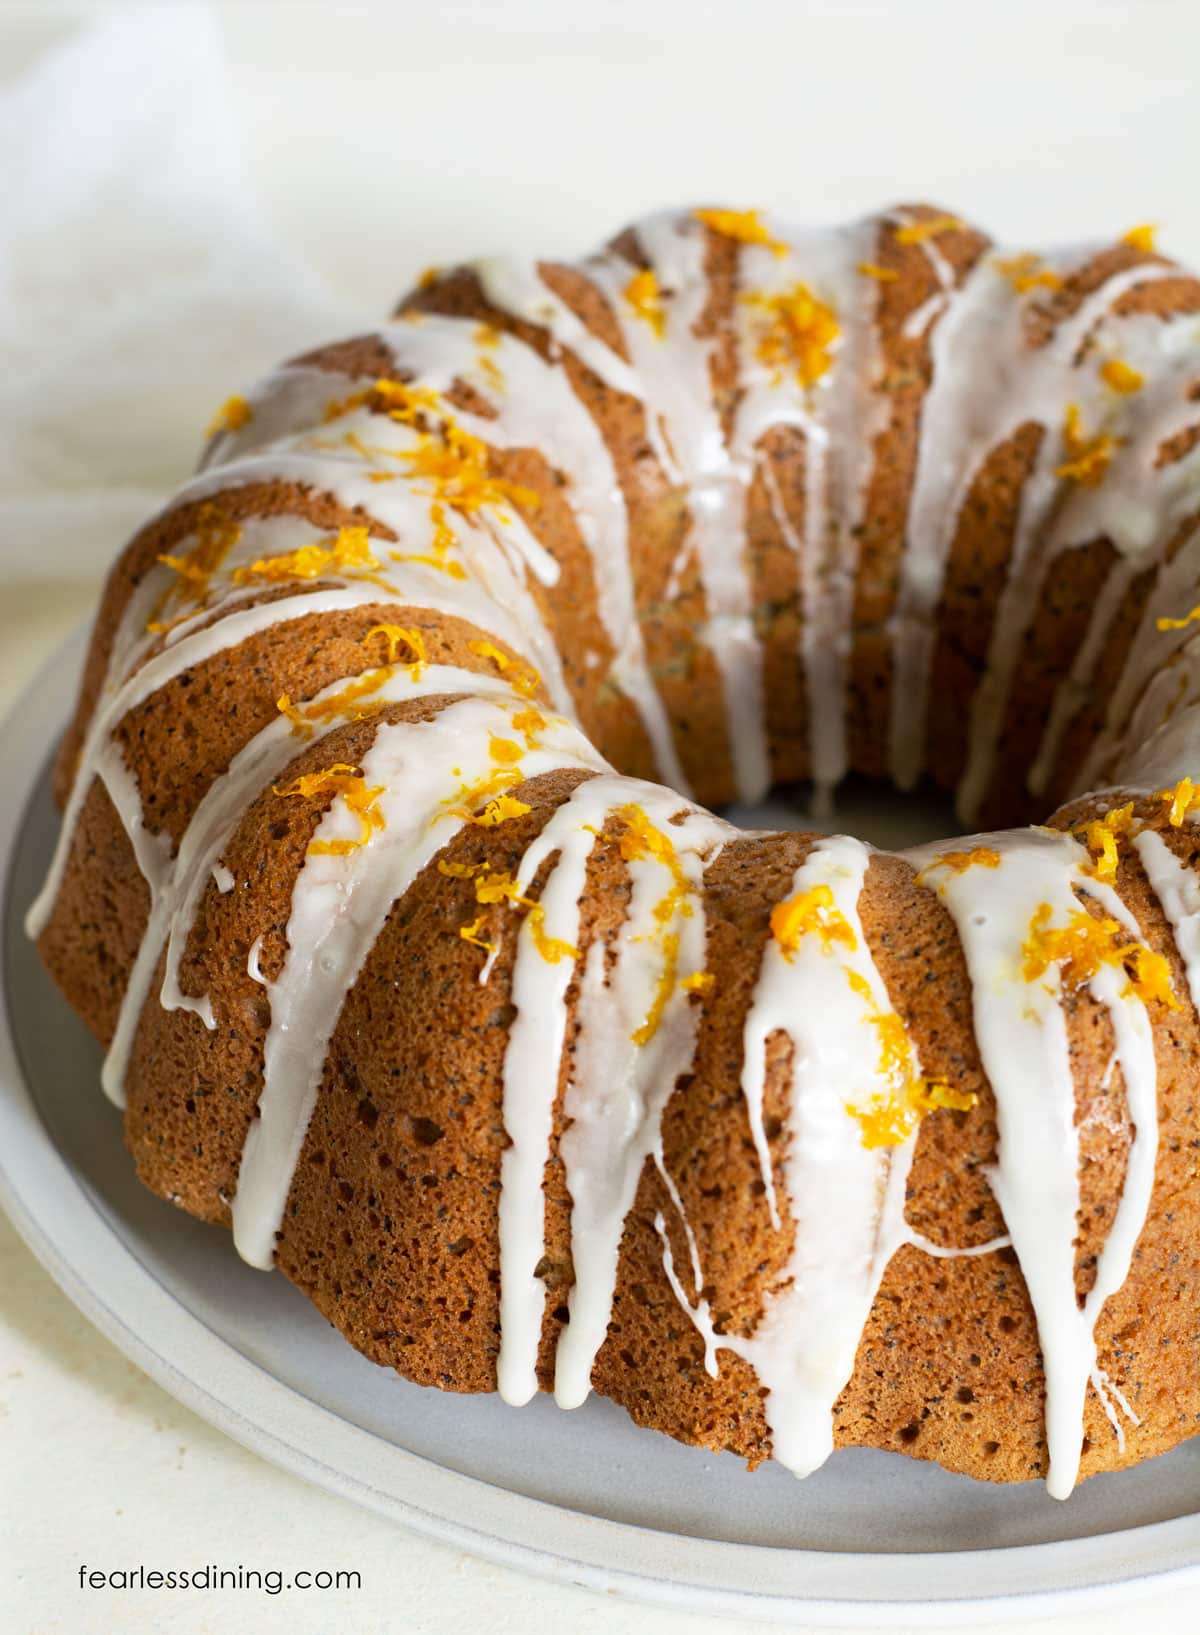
(100, 758)
(847, 1200)
(1020, 1029)
(517, 287)
(618, 1106)
(339, 905)
(177, 887)
(620, 1088)
(1178, 892)
(987, 381)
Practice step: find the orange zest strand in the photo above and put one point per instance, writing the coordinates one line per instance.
(348, 554)
(1087, 457)
(405, 404)
(492, 889)
(487, 339)
(301, 727)
(699, 982)
(1026, 272)
(643, 297)
(470, 933)
(1141, 238)
(1183, 799)
(1084, 945)
(524, 680)
(498, 810)
(810, 913)
(401, 636)
(890, 1117)
(1178, 624)
(340, 779)
(979, 857)
(640, 839)
(747, 226)
(216, 536)
(1121, 377)
(233, 414)
(1102, 837)
(881, 275)
(916, 232)
(799, 335)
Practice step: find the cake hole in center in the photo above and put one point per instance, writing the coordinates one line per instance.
(871, 811)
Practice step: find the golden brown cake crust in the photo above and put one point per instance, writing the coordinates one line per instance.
(390, 1226)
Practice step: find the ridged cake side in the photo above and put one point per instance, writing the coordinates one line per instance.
(532, 1073)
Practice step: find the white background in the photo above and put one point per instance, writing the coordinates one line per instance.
(385, 138)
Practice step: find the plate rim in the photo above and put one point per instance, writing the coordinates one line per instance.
(99, 1272)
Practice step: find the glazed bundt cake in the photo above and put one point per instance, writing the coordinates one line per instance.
(529, 1071)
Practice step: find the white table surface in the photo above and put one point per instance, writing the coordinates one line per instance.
(381, 140)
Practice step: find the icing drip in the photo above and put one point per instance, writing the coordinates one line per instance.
(617, 1099)
(517, 287)
(1021, 1032)
(847, 1200)
(1178, 891)
(340, 902)
(620, 1086)
(177, 887)
(987, 381)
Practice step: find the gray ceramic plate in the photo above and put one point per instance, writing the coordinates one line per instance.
(584, 1496)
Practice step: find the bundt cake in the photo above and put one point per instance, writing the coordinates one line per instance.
(529, 1071)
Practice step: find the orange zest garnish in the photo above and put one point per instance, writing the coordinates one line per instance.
(1183, 799)
(1026, 272)
(1141, 238)
(1120, 377)
(640, 839)
(524, 680)
(642, 295)
(979, 857)
(1087, 457)
(1178, 624)
(470, 933)
(747, 226)
(916, 232)
(487, 339)
(1102, 838)
(340, 779)
(233, 414)
(216, 536)
(881, 275)
(1084, 945)
(348, 554)
(890, 1117)
(699, 982)
(799, 335)
(494, 888)
(405, 404)
(497, 811)
(400, 637)
(810, 913)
